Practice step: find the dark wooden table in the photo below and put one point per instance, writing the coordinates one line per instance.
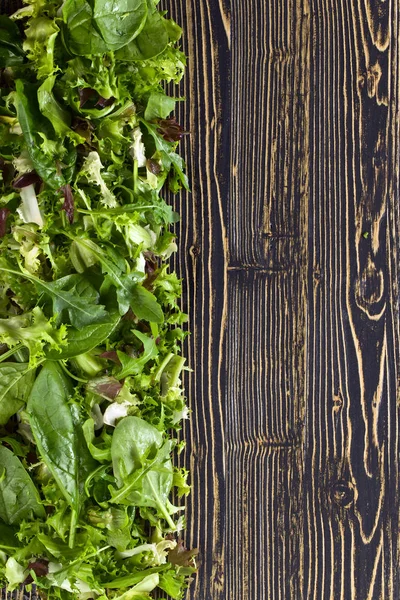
(289, 249)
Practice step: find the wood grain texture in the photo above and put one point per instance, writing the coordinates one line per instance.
(289, 249)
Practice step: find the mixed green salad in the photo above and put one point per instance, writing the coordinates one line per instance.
(90, 324)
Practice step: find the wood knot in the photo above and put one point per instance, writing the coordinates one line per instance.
(337, 402)
(370, 288)
(194, 251)
(343, 493)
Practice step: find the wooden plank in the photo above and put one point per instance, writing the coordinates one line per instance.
(202, 263)
(242, 254)
(351, 459)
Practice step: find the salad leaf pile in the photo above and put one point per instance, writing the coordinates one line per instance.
(90, 324)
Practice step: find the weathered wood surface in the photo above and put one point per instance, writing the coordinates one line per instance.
(289, 249)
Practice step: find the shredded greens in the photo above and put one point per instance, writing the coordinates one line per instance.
(90, 324)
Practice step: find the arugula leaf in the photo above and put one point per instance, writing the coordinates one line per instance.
(168, 154)
(16, 380)
(19, 499)
(76, 297)
(134, 366)
(71, 294)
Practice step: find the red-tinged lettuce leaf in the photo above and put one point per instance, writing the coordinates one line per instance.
(4, 212)
(68, 205)
(107, 387)
(181, 557)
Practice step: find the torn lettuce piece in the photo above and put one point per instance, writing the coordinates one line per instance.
(29, 209)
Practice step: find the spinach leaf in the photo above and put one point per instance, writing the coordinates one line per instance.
(119, 21)
(19, 498)
(151, 41)
(11, 53)
(83, 37)
(8, 538)
(56, 435)
(16, 380)
(132, 441)
(135, 442)
(51, 421)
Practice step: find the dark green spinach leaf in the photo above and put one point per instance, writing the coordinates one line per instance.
(152, 39)
(83, 37)
(19, 498)
(16, 380)
(11, 52)
(119, 21)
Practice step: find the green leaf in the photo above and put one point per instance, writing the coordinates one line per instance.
(16, 380)
(151, 41)
(134, 443)
(145, 306)
(11, 53)
(80, 341)
(40, 38)
(168, 154)
(31, 122)
(53, 428)
(134, 366)
(130, 293)
(132, 440)
(57, 115)
(32, 330)
(119, 21)
(159, 106)
(72, 295)
(132, 579)
(102, 454)
(8, 538)
(19, 499)
(83, 37)
(75, 297)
